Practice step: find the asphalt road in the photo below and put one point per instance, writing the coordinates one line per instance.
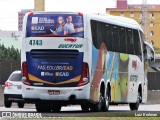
(74, 111)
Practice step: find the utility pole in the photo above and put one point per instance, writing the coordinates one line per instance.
(39, 5)
(144, 18)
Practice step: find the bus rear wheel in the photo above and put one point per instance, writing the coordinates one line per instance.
(42, 107)
(106, 101)
(97, 107)
(135, 106)
(56, 108)
(84, 107)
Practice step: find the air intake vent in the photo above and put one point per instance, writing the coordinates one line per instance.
(54, 53)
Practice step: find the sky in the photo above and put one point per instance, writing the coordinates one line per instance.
(9, 8)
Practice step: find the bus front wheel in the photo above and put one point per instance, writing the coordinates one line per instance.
(135, 106)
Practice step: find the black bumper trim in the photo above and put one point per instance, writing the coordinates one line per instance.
(13, 97)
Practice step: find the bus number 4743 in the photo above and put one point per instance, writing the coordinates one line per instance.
(35, 42)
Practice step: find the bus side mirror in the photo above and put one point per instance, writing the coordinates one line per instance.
(152, 57)
(149, 54)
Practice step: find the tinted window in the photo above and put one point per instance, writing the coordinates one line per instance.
(100, 33)
(122, 37)
(96, 33)
(130, 43)
(115, 39)
(137, 44)
(15, 77)
(107, 36)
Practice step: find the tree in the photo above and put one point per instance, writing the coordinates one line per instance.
(9, 53)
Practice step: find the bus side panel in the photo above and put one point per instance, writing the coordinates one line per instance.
(123, 71)
(98, 70)
(117, 69)
(109, 66)
(135, 77)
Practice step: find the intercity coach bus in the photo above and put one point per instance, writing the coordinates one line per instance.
(92, 60)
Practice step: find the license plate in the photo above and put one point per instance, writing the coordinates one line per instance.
(53, 92)
(19, 87)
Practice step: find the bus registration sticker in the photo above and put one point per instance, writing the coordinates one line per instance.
(53, 92)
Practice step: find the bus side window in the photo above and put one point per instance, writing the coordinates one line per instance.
(99, 34)
(107, 37)
(130, 44)
(122, 36)
(115, 39)
(96, 33)
(137, 44)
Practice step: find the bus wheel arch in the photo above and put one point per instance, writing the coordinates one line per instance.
(135, 106)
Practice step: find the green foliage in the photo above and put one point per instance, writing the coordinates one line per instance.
(9, 53)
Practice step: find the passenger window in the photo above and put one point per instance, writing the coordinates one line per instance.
(107, 37)
(95, 31)
(115, 39)
(137, 44)
(99, 34)
(130, 44)
(122, 38)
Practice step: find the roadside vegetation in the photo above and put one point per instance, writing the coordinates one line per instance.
(9, 53)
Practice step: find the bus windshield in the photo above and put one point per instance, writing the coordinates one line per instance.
(58, 25)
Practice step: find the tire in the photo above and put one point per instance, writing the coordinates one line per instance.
(106, 101)
(56, 108)
(135, 106)
(97, 106)
(7, 103)
(42, 107)
(20, 104)
(84, 107)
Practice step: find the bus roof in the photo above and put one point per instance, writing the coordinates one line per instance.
(107, 18)
(117, 20)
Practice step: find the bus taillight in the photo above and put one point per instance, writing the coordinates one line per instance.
(24, 69)
(30, 14)
(80, 14)
(25, 79)
(84, 75)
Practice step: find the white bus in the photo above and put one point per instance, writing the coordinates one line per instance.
(87, 59)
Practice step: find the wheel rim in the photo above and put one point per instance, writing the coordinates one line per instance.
(107, 102)
(138, 99)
